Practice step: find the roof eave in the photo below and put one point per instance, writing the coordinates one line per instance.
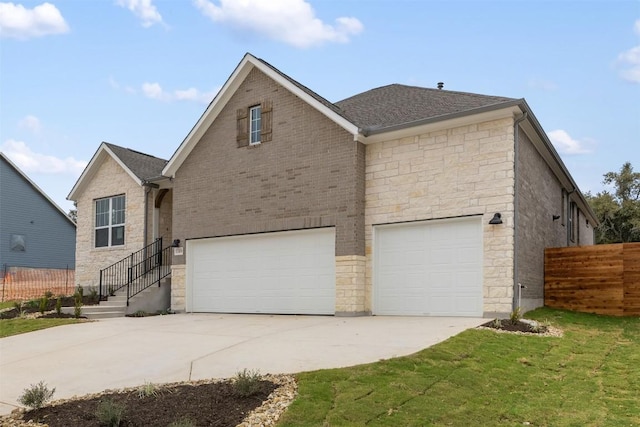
(560, 169)
(90, 170)
(489, 112)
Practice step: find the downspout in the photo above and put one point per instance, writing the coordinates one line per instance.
(516, 151)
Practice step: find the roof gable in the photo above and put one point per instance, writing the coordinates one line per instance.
(35, 187)
(139, 166)
(231, 85)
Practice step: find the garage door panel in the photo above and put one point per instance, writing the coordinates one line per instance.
(285, 272)
(429, 268)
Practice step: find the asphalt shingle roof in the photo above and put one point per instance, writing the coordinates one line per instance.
(397, 104)
(144, 166)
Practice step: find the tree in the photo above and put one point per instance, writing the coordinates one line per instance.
(73, 213)
(618, 212)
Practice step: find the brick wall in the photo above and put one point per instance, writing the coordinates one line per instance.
(539, 198)
(467, 170)
(109, 180)
(310, 174)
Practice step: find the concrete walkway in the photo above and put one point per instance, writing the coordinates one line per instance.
(127, 352)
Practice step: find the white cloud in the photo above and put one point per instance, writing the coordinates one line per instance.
(31, 123)
(155, 91)
(565, 144)
(30, 161)
(290, 21)
(143, 9)
(18, 22)
(629, 60)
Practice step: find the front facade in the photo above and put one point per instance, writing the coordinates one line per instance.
(397, 201)
(34, 231)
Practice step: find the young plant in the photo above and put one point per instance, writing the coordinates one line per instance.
(58, 306)
(18, 306)
(149, 389)
(496, 323)
(43, 304)
(109, 413)
(94, 294)
(77, 308)
(80, 291)
(247, 382)
(515, 316)
(48, 294)
(36, 395)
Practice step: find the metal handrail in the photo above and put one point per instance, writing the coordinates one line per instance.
(134, 267)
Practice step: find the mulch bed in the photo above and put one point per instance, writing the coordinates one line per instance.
(207, 404)
(516, 326)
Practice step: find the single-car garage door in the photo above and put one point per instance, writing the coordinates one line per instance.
(430, 268)
(290, 272)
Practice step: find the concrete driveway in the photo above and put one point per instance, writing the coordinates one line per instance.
(126, 352)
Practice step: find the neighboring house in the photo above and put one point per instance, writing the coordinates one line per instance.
(397, 201)
(34, 231)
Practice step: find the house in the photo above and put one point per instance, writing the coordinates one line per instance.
(397, 201)
(34, 231)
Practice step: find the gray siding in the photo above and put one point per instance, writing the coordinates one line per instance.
(50, 237)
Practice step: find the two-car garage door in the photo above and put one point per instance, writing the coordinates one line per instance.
(291, 272)
(430, 268)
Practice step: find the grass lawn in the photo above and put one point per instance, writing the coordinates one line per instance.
(17, 326)
(590, 377)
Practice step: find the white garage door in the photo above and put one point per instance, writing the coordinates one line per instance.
(290, 272)
(431, 268)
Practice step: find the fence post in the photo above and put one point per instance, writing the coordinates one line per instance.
(4, 280)
(66, 281)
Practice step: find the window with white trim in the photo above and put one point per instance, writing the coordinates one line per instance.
(255, 125)
(109, 222)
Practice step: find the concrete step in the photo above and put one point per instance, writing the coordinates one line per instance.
(99, 311)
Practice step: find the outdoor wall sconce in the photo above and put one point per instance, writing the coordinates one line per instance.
(176, 243)
(497, 219)
(556, 217)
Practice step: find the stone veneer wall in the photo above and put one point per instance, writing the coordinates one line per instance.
(178, 288)
(467, 170)
(350, 285)
(109, 180)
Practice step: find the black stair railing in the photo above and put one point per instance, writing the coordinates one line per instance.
(137, 271)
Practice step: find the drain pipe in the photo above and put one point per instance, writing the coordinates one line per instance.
(516, 151)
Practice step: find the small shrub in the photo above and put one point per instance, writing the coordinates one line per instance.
(43, 304)
(109, 413)
(33, 304)
(59, 306)
(112, 291)
(139, 313)
(77, 308)
(18, 306)
(515, 316)
(48, 294)
(36, 395)
(247, 382)
(182, 422)
(93, 294)
(80, 291)
(149, 389)
(496, 323)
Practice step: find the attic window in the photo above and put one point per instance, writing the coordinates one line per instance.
(253, 124)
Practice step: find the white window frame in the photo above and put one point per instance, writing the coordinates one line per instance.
(112, 221)
(255, 124)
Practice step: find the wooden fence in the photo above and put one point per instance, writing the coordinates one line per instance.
(603, 279)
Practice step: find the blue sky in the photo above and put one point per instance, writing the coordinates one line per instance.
(139, 73)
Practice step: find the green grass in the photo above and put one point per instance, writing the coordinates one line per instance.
(7, 304)
(17, 326)
(590, 377)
